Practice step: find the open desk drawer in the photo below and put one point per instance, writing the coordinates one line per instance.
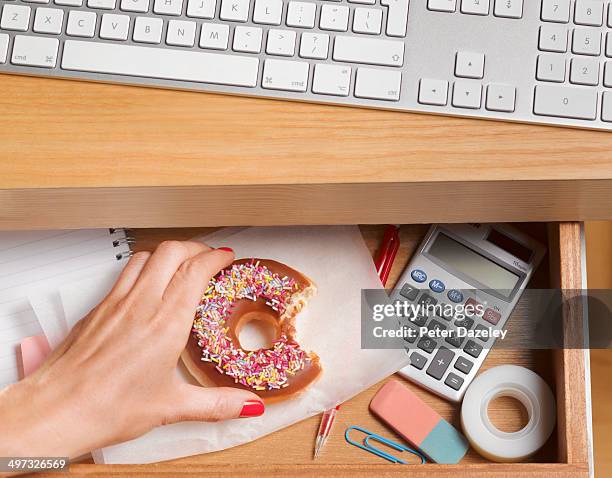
(289, 452)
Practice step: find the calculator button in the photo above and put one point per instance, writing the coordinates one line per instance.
(464, 365)
(419, 320)
(413, 335)
(409, 292)
(472, 348)
(427, 345)
(483, 328)
(465, 323)
(455, 296)
(454, 341)
(418, 275)
(491, 316)
(417, 360)
(437, 285)
(454, 381)
(435, 325)
(475, 305)
(426, 300)
(440, 363)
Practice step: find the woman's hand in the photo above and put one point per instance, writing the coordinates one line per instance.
(114, 377)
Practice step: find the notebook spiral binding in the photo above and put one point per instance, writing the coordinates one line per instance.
(122, 238)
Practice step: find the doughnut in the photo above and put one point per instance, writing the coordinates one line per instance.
(252, 289)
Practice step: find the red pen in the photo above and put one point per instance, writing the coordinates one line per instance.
(384, 260)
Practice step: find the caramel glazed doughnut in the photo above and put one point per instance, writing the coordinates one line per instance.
(252, 289)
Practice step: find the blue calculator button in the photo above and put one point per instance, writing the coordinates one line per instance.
(418, 275)
(437, 285)
(455, 296)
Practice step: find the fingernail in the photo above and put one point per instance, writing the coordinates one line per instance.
(252, 408)
(226, 249)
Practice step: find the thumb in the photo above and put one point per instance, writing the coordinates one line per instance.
(195, 403)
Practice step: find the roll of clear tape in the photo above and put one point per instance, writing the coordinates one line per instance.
(523, 385)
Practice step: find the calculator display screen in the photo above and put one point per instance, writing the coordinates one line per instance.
(468, 262)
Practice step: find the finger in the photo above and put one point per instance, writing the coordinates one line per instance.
(163, 264)
(189, 283)
(128, 276)
(195, 403)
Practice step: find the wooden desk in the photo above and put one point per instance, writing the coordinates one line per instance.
(81, 155)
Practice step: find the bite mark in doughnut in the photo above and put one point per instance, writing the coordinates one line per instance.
(252, 289)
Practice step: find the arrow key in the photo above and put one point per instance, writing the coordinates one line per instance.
(501, 97)
(467, 94)
(433, 92)
(469, 65)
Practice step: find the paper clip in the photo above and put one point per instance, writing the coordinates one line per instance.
(367, 446)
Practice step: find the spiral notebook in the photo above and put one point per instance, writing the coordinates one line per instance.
(33, 267)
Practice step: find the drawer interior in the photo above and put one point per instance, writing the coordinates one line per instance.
(290, 450)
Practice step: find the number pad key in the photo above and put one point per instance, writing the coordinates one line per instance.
(589, 12)
(475, 7)
(584, 71)
(578, 103)
(553, 38)
(551, 68)
(556, 11)
(508, 8)
(441, 5)
(586, 41)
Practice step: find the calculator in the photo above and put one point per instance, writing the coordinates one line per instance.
(457, 293)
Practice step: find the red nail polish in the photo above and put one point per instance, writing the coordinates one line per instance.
(226, 249)
(252, 408)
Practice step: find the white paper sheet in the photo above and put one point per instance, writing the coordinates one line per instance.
(338, 261)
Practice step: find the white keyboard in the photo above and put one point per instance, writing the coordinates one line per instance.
(539, 61)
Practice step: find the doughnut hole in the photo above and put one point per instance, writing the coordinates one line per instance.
(257, 330)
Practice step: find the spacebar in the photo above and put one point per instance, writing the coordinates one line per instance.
(159, 63)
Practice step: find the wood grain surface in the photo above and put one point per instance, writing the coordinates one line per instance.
(280, 452)
(94, 155)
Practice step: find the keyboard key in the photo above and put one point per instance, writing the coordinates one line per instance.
(377, 84)
(314, 45)
(417, 360)
(508, 8)
(267, 12)
(586, 41)
(234, 10)
(103, 4)
(302, 14)
(433, 92)
(467, 94)
(553, 38)
(214, 36)
(169, 64)
(148, 30)
(500, 98)
(463, 365)
(167, 7)
(427, 345)
(334, 17)
(441, 5)
(81, 24)
(35, 51)
(69, 3)
(281, 42)
(369, 50)
(608, 74)
(114, 27)
(4, 43)
(609, 45)
(491, 316)
(363, 2)
(440, 363)
(202, 8)
(367, 20)
(472, 348)
(137, 6)
(16, 18)
(409, 292)
(397, 17)
(285, 75)
(453, 381)
(181, 33)
(564, 102)
(247, 39)
(475, 7)
(588, 12)
(35, 1)
(49, 20)
(551, 68)
(469, 64)
(584, 71)
(606, 105)
(556, 11)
